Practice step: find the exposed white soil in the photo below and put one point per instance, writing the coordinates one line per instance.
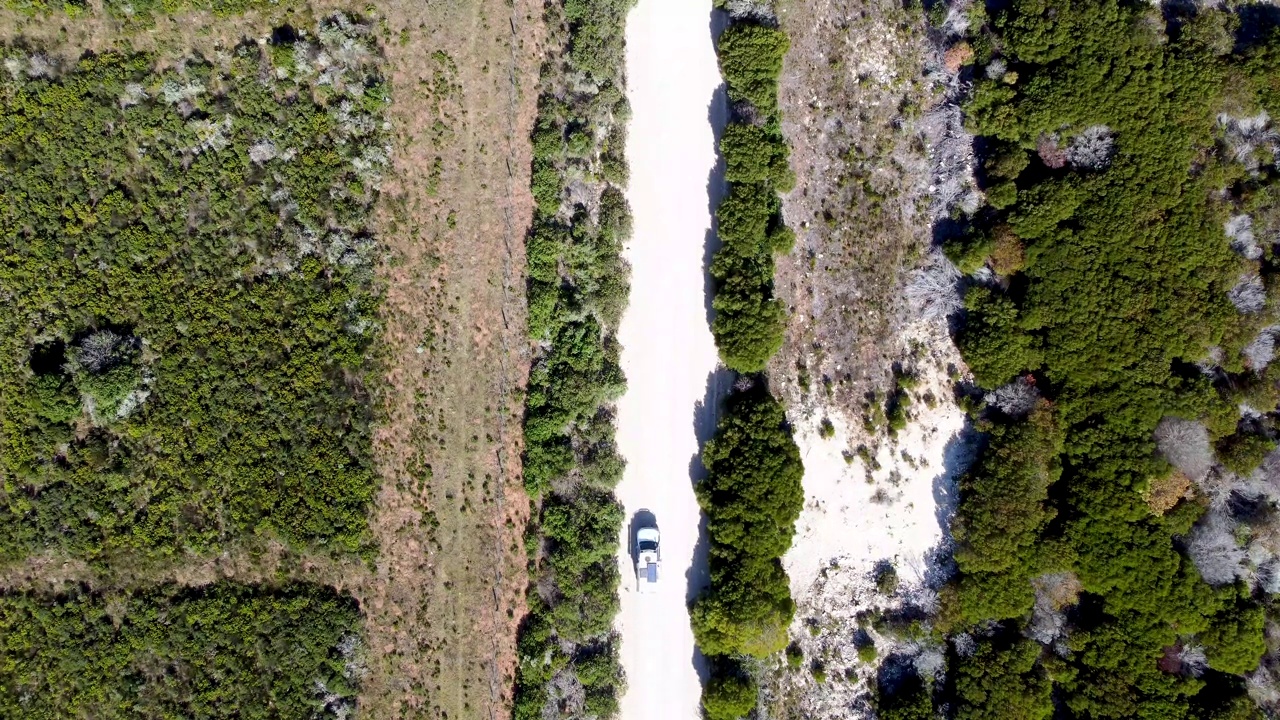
(668, 353)
(857, 519)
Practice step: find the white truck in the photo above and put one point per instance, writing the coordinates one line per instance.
(647, 559)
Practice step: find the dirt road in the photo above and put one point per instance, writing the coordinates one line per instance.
(668, 353)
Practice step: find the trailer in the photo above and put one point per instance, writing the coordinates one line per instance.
(648, 559)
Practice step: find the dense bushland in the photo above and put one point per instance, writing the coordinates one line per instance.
(224, 651)
(187, 274)
(1120, 150)
(577, 289)
(752, 497)
(749, 322)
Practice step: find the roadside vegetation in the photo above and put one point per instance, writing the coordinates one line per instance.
(140, 11)
(577, 289)
(749, 321)
(1113, 541)
(752, 494)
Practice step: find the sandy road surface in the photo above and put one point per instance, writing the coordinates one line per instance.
(668, 353)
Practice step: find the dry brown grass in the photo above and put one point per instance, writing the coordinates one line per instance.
(445, 592)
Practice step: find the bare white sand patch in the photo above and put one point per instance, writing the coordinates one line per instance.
(857, 516)
(668, 353)
(858, 520)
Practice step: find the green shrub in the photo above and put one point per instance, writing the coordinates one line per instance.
(752, 497)
(1242, 453)
(729, 697)
(755, 154)
(993, 340)
(1003, 509)
(970, 251)
(795, 656)
(826, 429)
(751, 61)
(867, 654)
(1002, 194)
(887, 579)
(1003, 682)
(1234, 641)
(910, 700)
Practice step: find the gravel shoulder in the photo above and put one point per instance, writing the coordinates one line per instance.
(668, 353)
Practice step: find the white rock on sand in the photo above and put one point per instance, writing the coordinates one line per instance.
(668, 353)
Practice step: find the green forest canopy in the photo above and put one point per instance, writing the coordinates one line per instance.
(1108, 158)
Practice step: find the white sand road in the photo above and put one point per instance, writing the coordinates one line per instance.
(668, 353)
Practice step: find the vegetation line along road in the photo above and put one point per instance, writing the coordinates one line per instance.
(577, 288)
(752, 494)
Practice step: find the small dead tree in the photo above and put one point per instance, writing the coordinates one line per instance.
(934, 291)
(1192, 660)
(1185, 444)
(1259, 353)
(1093, 148)
(1016, 399)
(1050, 151)
(1239, 230)
(1213, 549)
(1249, 295)
(99, 351)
